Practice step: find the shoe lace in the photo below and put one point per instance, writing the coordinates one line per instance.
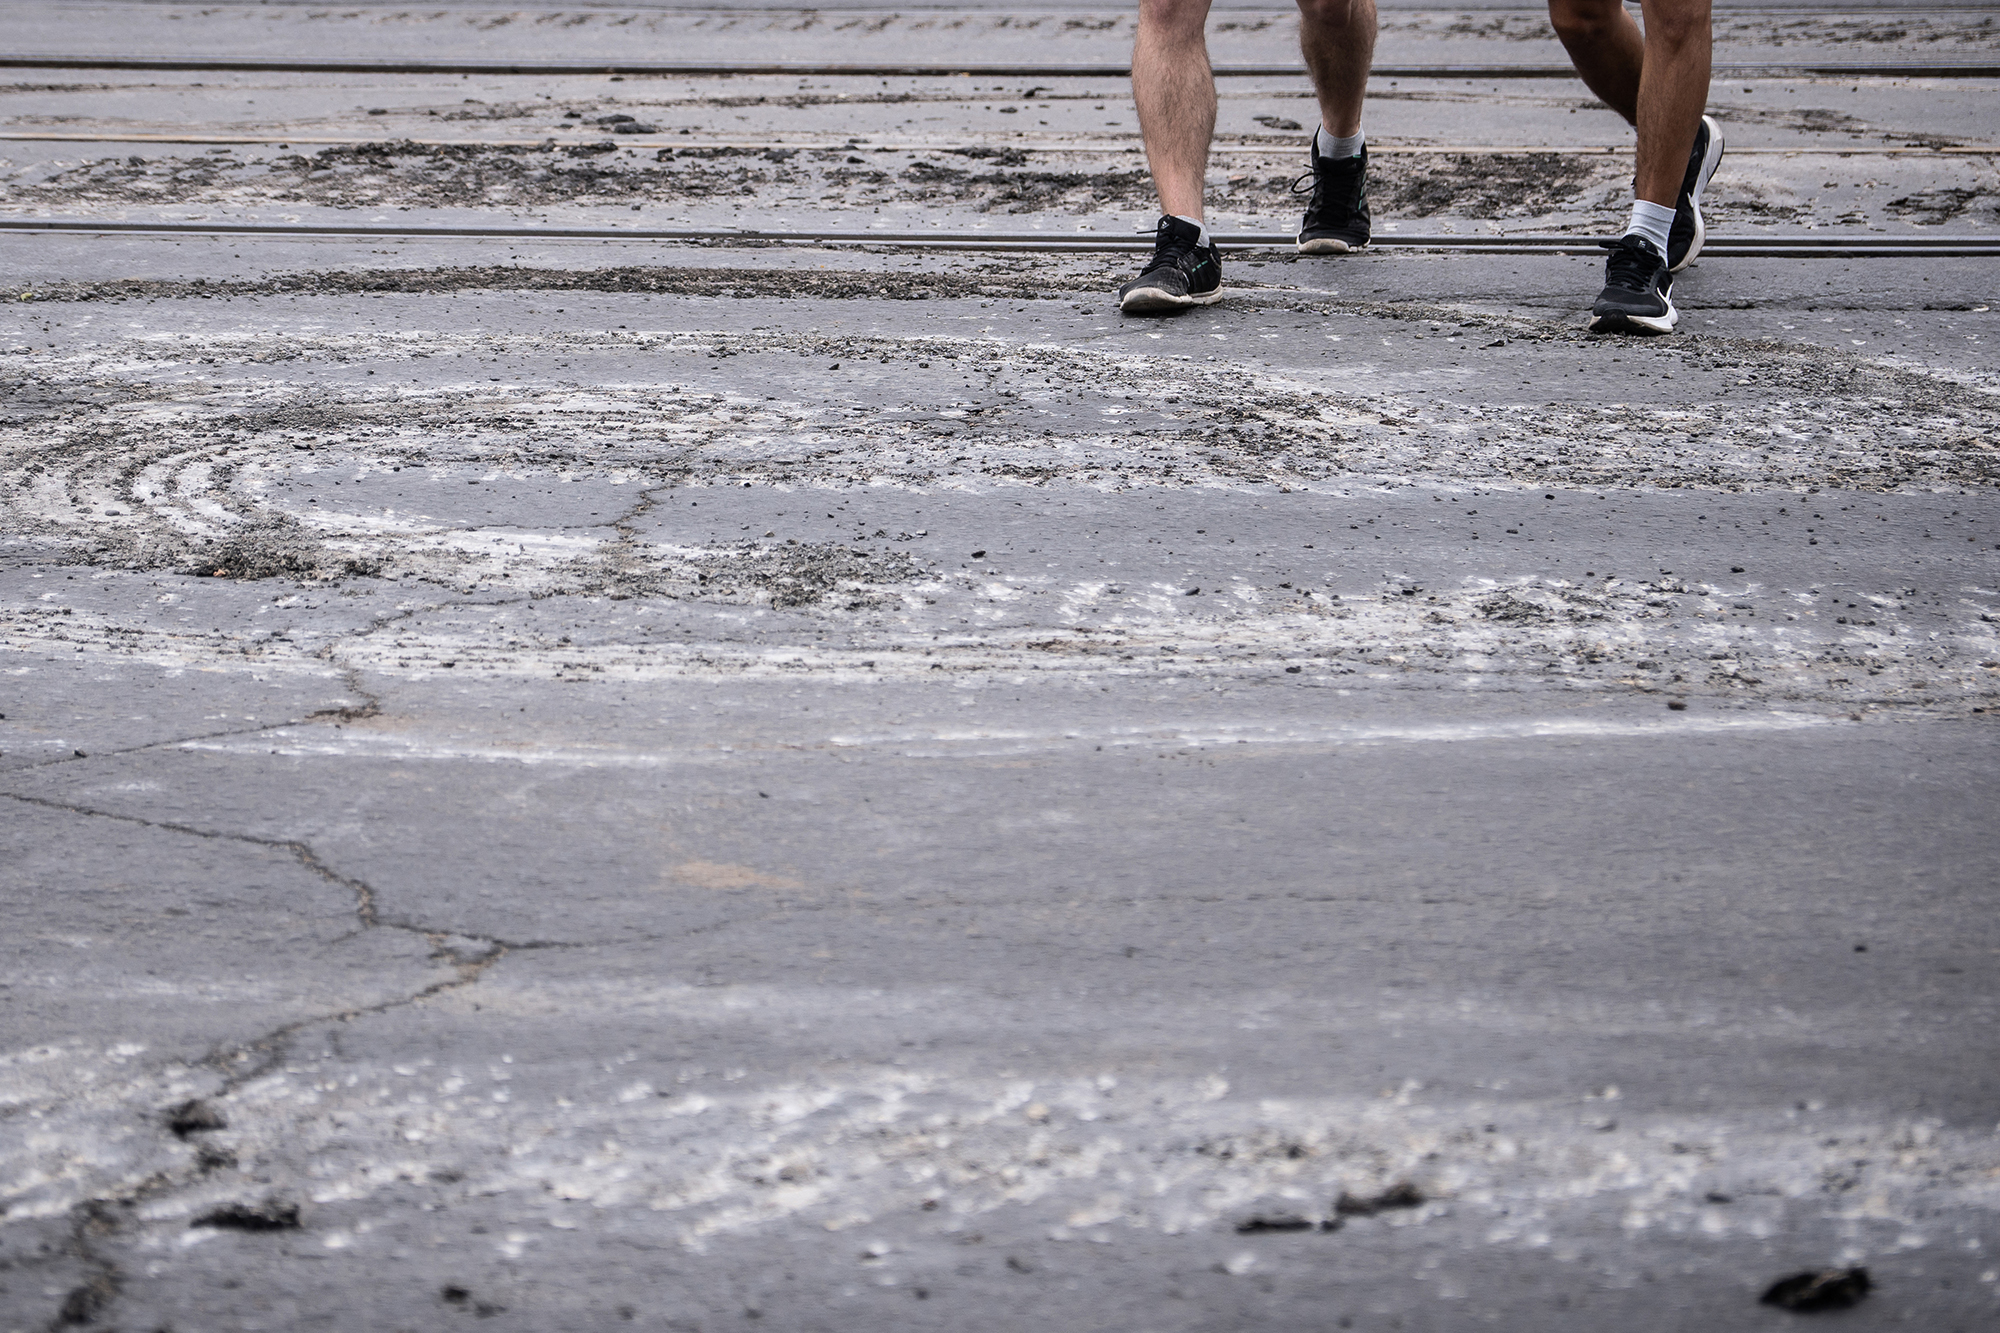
(1319, 182)
(1631, 265)
(1167, 250)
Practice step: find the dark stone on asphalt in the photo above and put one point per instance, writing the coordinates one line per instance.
(85, 1303)
(1252, 1226)
(195, 1117)
(271, 1215)
(1814, 1292)
(1402, 1194)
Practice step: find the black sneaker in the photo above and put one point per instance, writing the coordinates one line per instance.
(1637, 295)
(1337, 214)
(1685, 238)
(1182, 273)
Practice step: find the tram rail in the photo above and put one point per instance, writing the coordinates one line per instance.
(214, 64)
(1828, 246)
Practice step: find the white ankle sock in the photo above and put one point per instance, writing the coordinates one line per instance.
(1347, 145)
(1204, 229)
(1651, 221)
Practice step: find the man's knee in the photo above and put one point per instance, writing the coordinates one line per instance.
(1583, 20)
(1333, 16)
(1182, 19)
(1676, 23)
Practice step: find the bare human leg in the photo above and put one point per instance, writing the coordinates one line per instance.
(1659, 82)
(1175, 92)
(1338, 39)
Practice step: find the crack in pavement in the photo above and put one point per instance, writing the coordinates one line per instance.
(245, 1061)
(366, 911)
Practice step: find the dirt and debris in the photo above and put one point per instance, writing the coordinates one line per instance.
(83, 1304)
(1264, 1223)
(1814, 1292)
(409, 174)
(455, 1295)
(195, 1117)
(1932, 208)
(270, 1215)
(1402, 1194)
(821, 284)
(272, 545)
(1527, 184)
(784, 575)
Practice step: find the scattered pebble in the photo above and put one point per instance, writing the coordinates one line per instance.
(270, 1215)
(1402, 1194)
(195, 1117)
(1815, 1292)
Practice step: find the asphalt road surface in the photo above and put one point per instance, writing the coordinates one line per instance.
(572, 784)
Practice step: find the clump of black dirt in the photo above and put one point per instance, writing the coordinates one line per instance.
(1816, 1292)
(195, 1117)
(1266, 1223)
(453, 1294)
(270, 1215)
(85, 1303)
(1400, 1195)
(999, 157)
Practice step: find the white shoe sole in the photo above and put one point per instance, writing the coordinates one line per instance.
(1710, 160)
(1328, 245)
(1623, 323)
(1153, 301)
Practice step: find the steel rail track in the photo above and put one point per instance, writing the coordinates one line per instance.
(1804, 247)
(1926, 69)
(1290, 148)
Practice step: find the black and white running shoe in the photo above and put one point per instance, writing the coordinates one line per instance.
(1336, 220)
(1685, 237)
(1637, 295)
(1182, 273)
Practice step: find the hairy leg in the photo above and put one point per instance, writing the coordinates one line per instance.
(1175, 90)
(1659, 81)
(1605, 46)
(1338, 38)
(1672, 94)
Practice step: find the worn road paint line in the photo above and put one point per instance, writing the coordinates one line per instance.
(366, 744)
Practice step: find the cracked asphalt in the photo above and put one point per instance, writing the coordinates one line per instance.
(566, 785)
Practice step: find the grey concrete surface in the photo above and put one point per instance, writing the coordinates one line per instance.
(563, 786)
